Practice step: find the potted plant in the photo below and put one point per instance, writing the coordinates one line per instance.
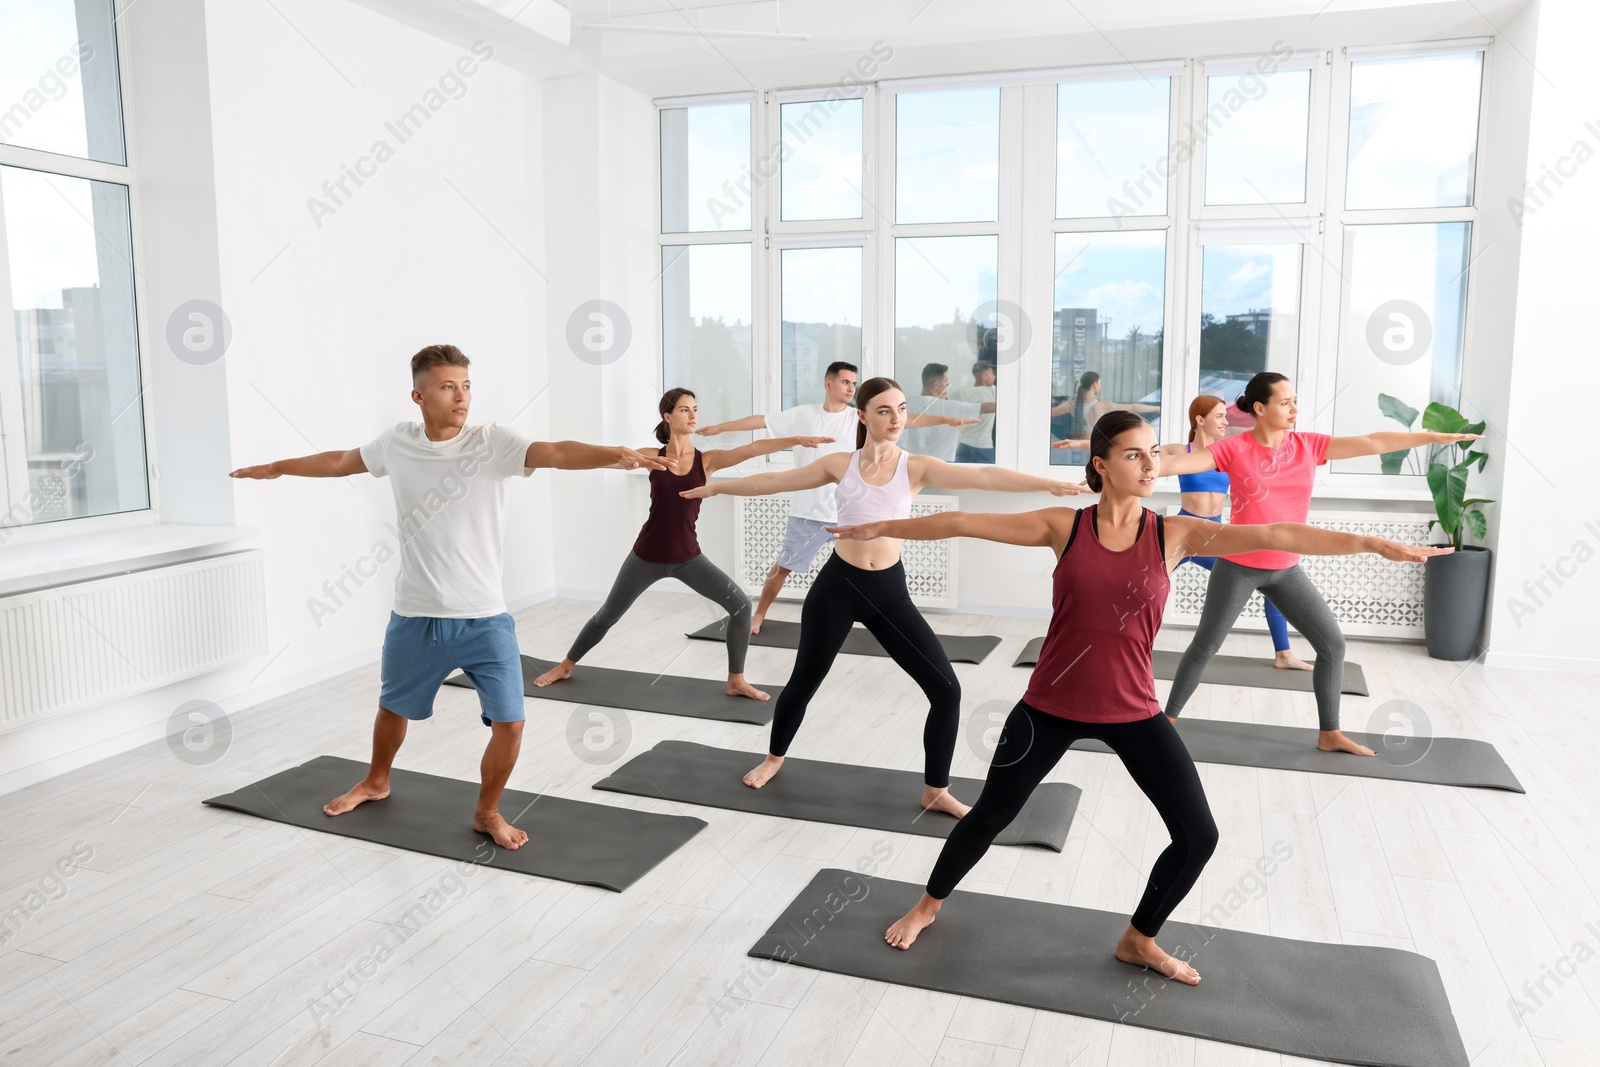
(1456, 586)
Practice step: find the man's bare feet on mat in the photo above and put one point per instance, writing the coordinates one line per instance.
(560, 672)
(363, 792)
(1288, 661)
(505, 835)
(940, 800)
(763, 774)
(913, 922)
(1142, 951)
(1336, 741)
(738, 687)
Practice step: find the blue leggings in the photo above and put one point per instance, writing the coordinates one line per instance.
(1276, 623)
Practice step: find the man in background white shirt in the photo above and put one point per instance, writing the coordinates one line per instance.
(937, 440)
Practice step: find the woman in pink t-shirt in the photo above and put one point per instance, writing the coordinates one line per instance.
(1270, 473)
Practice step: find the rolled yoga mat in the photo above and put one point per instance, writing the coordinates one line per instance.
(568, 840)
(1346, 1003)
(875, 798)
(1230, 670)
(1455, 761)
(775, 633)
(668, 694)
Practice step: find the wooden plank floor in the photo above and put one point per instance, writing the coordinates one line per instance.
(184, 935)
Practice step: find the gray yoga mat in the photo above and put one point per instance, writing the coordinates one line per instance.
(1455, 761)
(1346, 1003)
(1256, 672)
(668, 694)
(844, 794)
(775, 633)
(568, 840)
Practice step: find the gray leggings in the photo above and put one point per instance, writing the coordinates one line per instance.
(1291, 590)
(699, 574)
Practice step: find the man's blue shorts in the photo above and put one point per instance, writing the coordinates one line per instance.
(419, 653)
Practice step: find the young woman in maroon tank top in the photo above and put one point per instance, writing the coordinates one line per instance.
(1093, 678)
(865, 583)
(667, 547)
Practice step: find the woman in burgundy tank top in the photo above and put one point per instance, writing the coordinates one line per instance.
(1093, 678)
(667, 547)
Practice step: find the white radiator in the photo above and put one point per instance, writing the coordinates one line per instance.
(76, 645)
(1369, 595)
(930, 565)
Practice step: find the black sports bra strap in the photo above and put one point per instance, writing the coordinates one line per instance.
(1073, 536)
(1161, 534)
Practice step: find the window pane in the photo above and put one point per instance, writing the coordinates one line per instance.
(1110, 303)
(58, 78)
(1257, 126)
(821, 317)
(1111, 145)
(944, 294)
(1413, 131)
(1403, 336)
(82, 435)
(705, 327)
(822, 160)
(705, 168)
(1249, 319)
(947, 156)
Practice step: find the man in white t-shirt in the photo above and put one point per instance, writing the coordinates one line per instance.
(939, 441)
(977, 441)
(811, 511)
(449, 608)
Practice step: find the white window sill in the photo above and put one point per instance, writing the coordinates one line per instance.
(42, 564)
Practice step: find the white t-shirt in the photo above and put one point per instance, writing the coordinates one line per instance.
(449, 499)
(981, 433)
(811, 420)
(936, 441)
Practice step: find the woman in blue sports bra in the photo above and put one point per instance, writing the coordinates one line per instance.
(1204, 496)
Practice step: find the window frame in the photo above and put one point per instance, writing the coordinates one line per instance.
(13, 455)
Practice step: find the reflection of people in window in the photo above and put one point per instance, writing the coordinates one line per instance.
(936, 440)
(1074, 418)
(977, 442)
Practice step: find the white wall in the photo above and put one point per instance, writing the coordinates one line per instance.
(1547, 579)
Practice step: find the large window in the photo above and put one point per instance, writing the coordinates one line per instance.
(72, 435)
(1030, 250)
(706, 326)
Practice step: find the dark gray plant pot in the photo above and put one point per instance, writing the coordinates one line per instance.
(1455, 595)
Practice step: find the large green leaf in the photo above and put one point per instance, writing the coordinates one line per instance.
(1397, 410)
(1476, 427)
(1449, 488)
(1442, 418)
(1476, 500)
(1476, 522)
(1393, 461)
(1480, 458)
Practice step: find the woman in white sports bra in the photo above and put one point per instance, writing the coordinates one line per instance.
(864, 581)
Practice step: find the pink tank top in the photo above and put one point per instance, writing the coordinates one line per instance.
(1105, 610)
(859, 502)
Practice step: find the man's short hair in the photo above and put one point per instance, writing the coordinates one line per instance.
(933, 371)
(841, 365)
(436, 356)
(981, 366)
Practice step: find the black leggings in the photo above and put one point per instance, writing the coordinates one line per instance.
(842, 596)
(1033, 742)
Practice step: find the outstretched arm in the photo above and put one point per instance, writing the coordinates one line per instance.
(926, 470)
(917, 422)
(811, 476)
(732, 457)
(1174, 460)
(577, 456)
(1197, 537)
(749, 422)
(1385, 441)
(1032, 528)
(321, 465)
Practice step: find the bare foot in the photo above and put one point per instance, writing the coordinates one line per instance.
(940, 800)
(494, 824)
(738, 687)
(763, 774)
(1288, 661)
(1142, 951)
(363, 792)
(755, 623)
(1336, 741)
(559, 672)
(913, 922)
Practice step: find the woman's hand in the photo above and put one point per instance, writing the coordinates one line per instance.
(1072, 442)
(699, 492)
(867, 531)
(1453, 438)
(813, 442)
(709, 431)
(1068, 488)
(1401, 552)
(630, 459)
(260, 470)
